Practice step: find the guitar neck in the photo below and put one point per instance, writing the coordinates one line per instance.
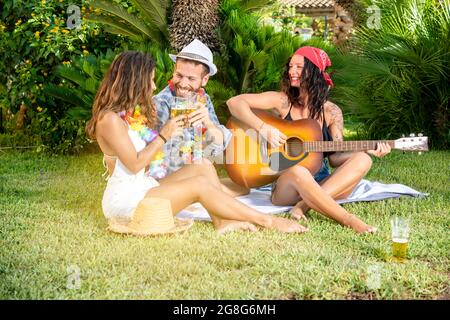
(328, 146)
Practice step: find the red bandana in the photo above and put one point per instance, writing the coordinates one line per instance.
(319, 58)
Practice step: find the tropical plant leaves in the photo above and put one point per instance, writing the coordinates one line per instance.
(404, 71)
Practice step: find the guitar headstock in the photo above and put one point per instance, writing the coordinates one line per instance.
(412, 143)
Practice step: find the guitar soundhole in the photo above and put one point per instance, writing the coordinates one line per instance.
(293, 147)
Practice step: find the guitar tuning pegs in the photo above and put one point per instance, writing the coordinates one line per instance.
(412, 135)
(420, 135)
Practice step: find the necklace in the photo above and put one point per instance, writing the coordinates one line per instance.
(137, 122)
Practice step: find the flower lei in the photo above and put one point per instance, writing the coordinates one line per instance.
(137, 122)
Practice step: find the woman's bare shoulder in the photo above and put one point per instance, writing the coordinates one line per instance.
(109, 118)
(331, 107)
(332, 112)
(109, 121)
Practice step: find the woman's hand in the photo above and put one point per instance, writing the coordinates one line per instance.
(381, 150)
(271, 134)
(173, 127)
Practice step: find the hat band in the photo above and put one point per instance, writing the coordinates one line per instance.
(191, 56)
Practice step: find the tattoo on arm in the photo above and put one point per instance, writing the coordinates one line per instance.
(284, 101)
(336, 122)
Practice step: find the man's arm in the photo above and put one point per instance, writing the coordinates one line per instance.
(217, 135)
(163, 112)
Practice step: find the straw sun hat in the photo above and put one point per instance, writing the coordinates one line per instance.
(153, 216)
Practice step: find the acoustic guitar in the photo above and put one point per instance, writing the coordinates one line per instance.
(251, 162)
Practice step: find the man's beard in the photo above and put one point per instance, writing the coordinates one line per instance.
(185, 92)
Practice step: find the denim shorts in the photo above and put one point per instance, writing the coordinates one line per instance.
(323, 172)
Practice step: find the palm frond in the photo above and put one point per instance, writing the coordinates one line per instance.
(155, 11)
(65, 94)
(79, 113)
(113, 25)
(403, 70)
(70, 73)
(124, 16)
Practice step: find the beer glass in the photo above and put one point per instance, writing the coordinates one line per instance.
(400, 236)
(183, 106)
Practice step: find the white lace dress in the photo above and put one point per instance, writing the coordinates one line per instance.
(124, 189)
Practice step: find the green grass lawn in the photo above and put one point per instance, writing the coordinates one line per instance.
(52, 229)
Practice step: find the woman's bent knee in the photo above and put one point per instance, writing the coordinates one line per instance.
(205, 167)
(363, 161)
(299, 174)
(201, 181)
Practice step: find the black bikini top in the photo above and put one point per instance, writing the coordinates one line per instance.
(325, 131)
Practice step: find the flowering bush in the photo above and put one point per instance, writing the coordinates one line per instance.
(36, 37)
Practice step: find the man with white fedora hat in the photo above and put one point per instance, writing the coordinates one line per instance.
(197, 51)
(193, 67)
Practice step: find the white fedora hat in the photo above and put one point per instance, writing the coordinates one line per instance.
(197, 51)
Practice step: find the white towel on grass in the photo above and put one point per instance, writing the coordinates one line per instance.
(259, 199)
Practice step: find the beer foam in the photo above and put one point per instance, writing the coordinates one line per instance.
(400, 240)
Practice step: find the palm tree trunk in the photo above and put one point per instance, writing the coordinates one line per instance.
(194, 19)
(355, 9)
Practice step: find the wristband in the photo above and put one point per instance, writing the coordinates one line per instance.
(162, 137)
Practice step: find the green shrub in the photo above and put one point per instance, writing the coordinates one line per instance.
(398, 79)
(63, 136)
(34, 40)
(84, 75)
(81, 81)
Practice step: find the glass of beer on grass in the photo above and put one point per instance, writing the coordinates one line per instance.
(400, 236)
(183, 106)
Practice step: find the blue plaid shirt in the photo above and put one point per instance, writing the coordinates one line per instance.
(172, 159)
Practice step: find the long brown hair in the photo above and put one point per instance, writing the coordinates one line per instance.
(312, 85)
(126, 84)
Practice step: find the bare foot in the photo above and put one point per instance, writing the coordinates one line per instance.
(358, 225)
(227, 226)
(298, 212)
(286, 225)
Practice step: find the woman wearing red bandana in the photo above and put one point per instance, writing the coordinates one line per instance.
(304, 94)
